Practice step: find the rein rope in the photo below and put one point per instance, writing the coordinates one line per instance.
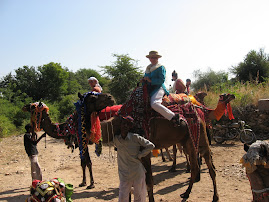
(110, 155)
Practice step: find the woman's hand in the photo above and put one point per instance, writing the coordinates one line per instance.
(147, 79)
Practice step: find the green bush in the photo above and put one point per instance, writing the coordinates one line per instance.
(7, 128)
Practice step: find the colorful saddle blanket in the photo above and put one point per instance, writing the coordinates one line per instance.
(180, 98)
(138, 107)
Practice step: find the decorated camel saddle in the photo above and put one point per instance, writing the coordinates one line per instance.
(54, 190)
(138, 107)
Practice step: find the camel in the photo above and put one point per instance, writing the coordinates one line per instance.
(215, 114)
(256, 162)
(94, 103)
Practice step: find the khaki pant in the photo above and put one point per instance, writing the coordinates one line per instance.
(139, 192)
(35, 168)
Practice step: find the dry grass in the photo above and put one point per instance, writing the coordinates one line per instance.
(246, 94)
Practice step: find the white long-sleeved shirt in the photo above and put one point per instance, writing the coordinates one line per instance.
(129, 165)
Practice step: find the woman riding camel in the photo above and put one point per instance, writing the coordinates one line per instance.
(179, 86)
(94, 83)
(155, 76)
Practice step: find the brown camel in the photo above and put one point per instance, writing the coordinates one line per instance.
(215, 114)
(163, 134)
(94, 103)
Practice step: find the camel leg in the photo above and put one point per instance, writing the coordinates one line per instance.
(212, 171)
(83, 166)
(169, 155)
(146, 161)
(89, 165)
(162, 155)
(173, 168)
(195, 172)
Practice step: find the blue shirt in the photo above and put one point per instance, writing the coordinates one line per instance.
(157, 78)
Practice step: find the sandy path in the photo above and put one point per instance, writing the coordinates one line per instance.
(58, 161)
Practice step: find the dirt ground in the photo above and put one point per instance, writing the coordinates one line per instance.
(58, 161)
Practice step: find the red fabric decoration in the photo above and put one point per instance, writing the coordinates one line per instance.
(96, 128)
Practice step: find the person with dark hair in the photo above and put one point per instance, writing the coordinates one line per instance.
(131, 171)
(179, 86)
(188, 84)
(30, 143)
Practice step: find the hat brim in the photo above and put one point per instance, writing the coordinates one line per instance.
(149, 56)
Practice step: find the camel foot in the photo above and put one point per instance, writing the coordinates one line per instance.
(172, 170)
(215, 198)
(82, 184)
(91, 186)
(185, 195)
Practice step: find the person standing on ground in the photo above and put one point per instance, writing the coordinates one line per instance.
(188, 84)
(95, 86)
(30, 143)
(130, 169)
(179, 86)
(155, 77)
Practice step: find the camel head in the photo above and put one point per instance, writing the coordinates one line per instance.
(30, 107)
(226, 97)
(97, 101)
(200, 96)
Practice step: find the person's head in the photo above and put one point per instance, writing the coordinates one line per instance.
(92, 81)
(188, 82)
(126, 124)
(28, 127)
(153, 57)
(174, 75)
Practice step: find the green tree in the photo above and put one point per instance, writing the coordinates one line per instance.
(124, 74)
(254, 67)
(27, 81)
(73, 85)
(82, 76)
(205, 80)
(53, 81)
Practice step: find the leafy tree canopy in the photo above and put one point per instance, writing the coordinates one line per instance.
(254, 67)
(124, 74)
(53, 81)
(205, 80)
(82, 76)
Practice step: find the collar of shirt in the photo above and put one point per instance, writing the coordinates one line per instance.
(151, 68)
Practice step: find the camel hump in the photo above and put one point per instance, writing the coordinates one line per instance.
(180, 98)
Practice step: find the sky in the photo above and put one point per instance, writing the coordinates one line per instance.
(189, 34)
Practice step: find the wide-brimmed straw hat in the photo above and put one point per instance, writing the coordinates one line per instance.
(153, 54)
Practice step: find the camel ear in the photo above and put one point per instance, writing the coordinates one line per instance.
(40, 104)
(246, 147)
(80, 96)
